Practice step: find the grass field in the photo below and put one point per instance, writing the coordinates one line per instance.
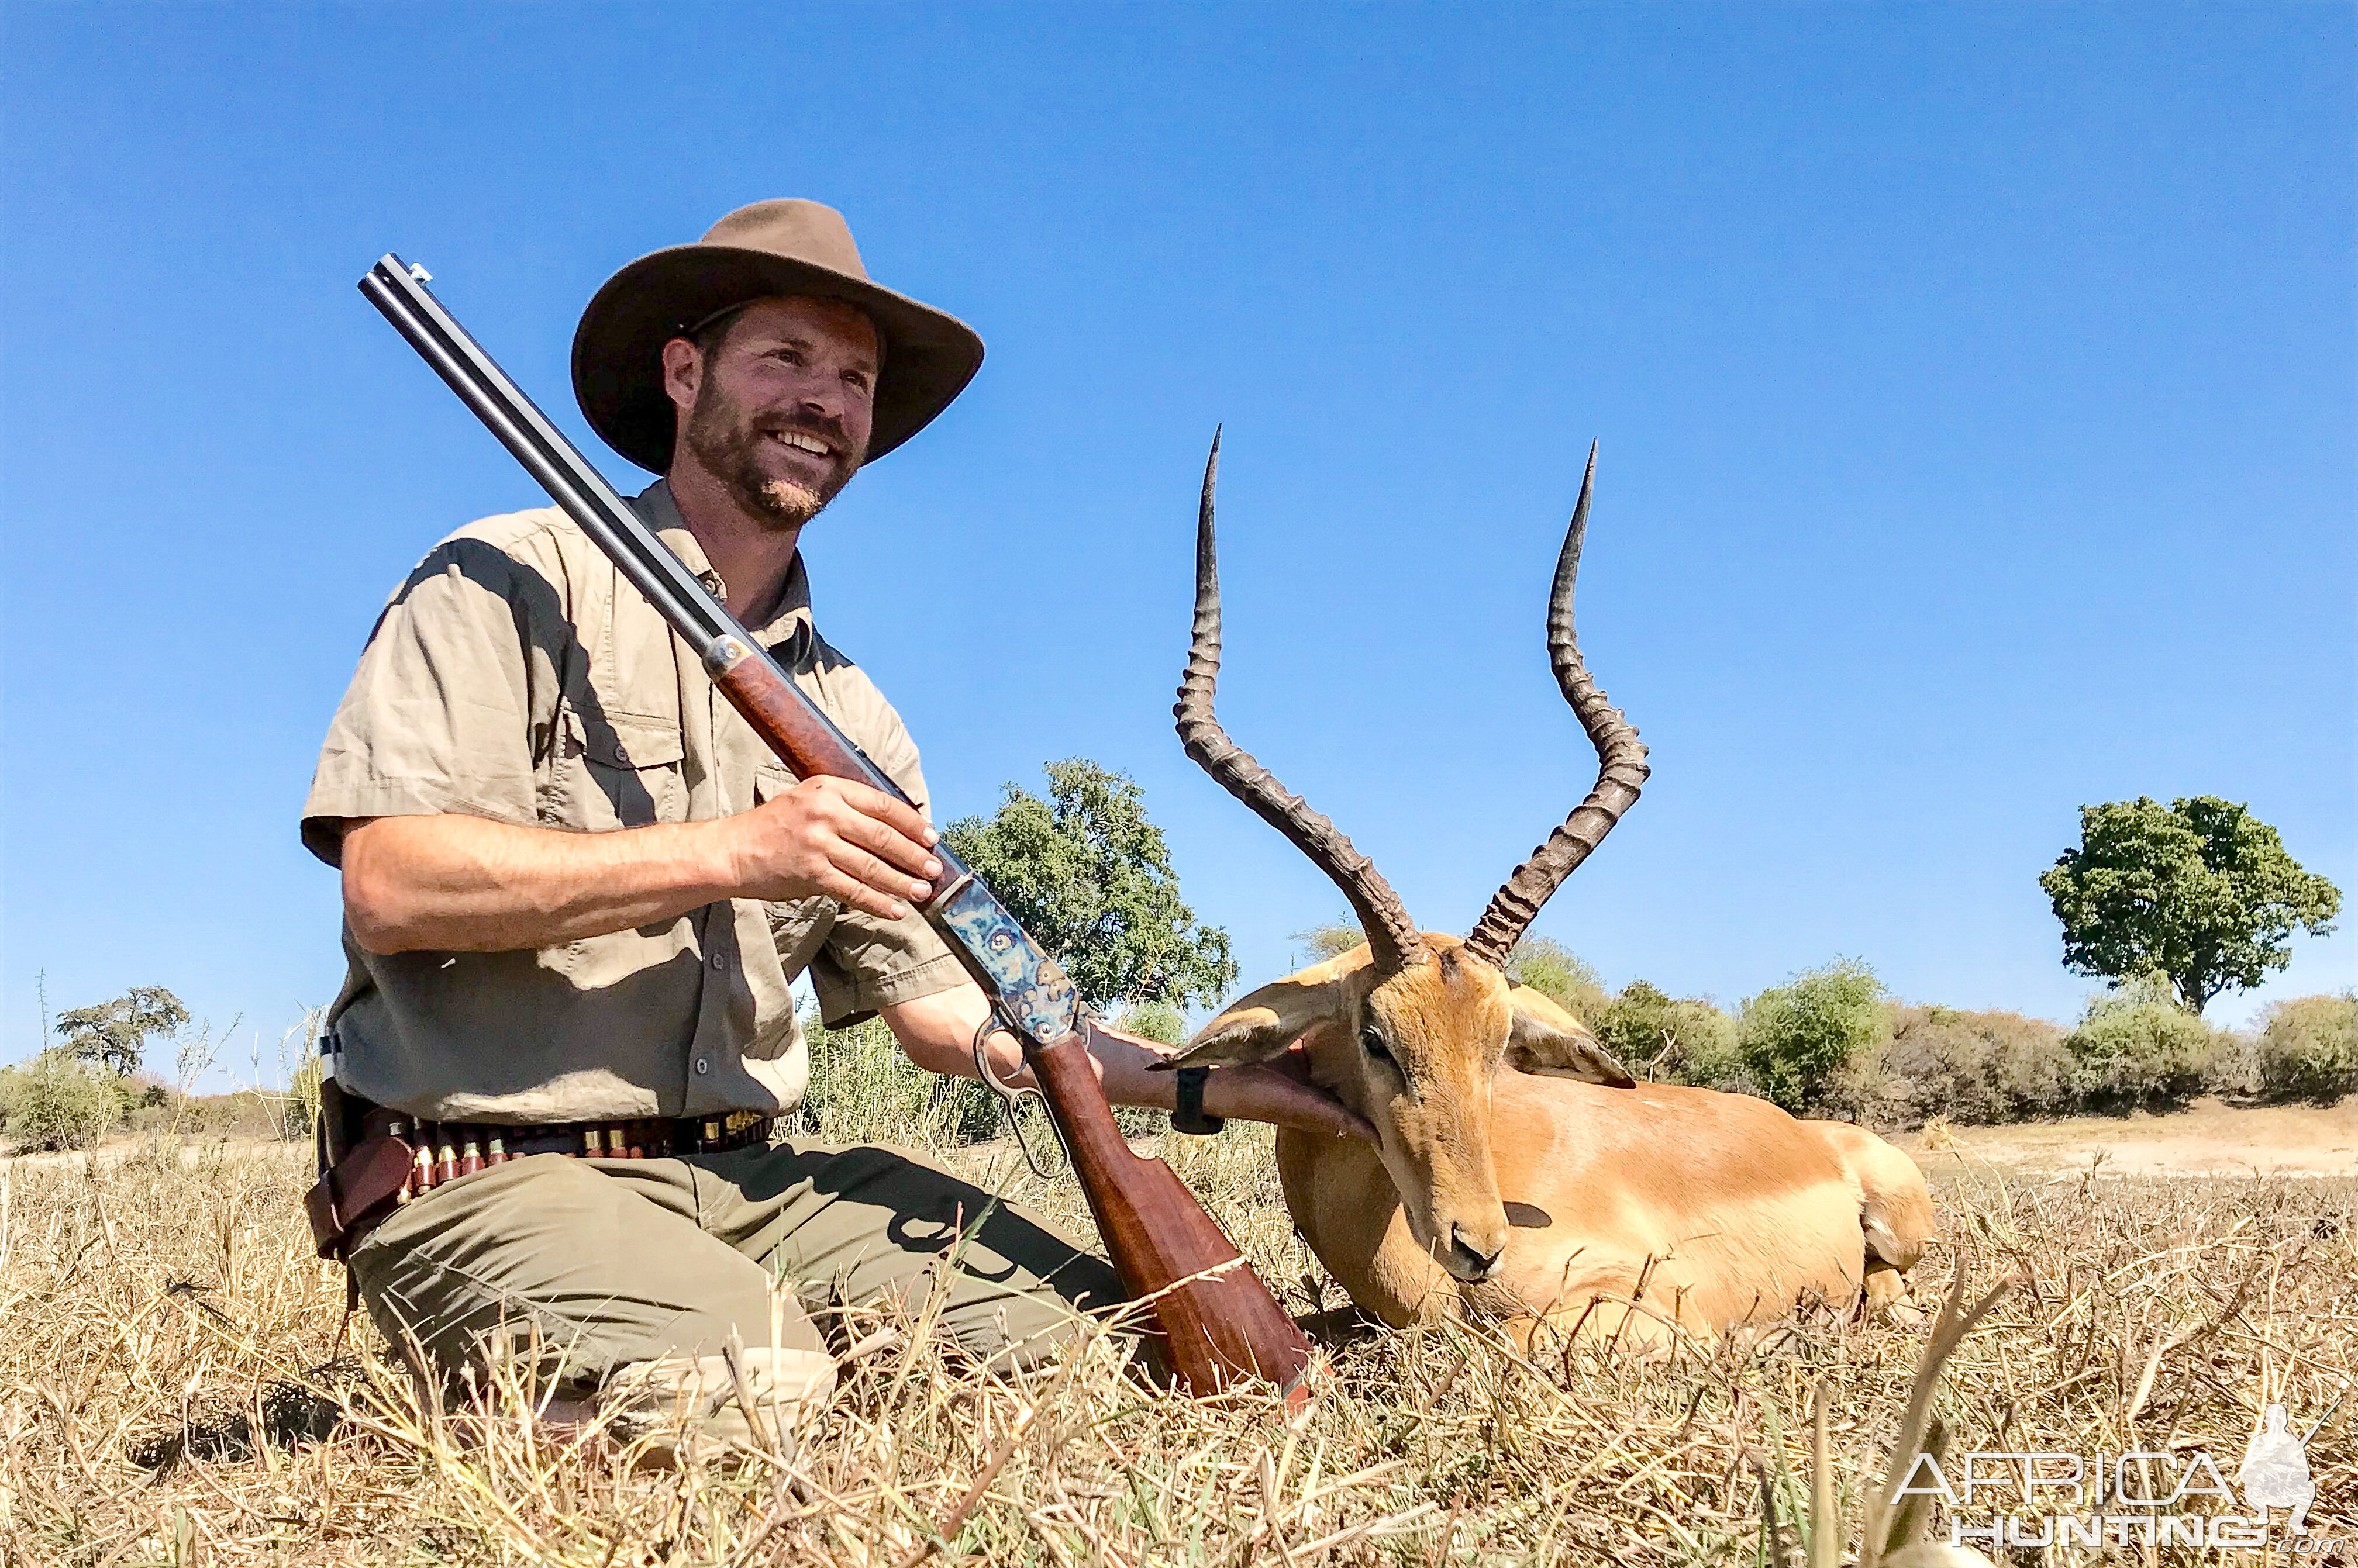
(171, 1391)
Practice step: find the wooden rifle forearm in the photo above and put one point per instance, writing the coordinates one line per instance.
(1215, 1319)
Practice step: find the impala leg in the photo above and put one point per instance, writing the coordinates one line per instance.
(1885, 1287)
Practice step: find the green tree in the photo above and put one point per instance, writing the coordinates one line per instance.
(2200, 893)
(1795, 1038)
(114, 1034)
(1088, 876)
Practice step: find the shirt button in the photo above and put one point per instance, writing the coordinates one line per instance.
(622, 752)
(720, 960)
(703, 1066)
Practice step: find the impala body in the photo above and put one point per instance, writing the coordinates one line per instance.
(1520, 1177)
(1521, 1174)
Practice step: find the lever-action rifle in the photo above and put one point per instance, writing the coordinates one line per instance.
(1216, 1320)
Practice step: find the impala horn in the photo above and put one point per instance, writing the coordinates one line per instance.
(1621, 767)
(1390, 933)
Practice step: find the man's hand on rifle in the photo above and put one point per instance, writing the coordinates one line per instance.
(858, 846)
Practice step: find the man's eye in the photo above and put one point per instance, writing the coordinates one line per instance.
(1373, 1044)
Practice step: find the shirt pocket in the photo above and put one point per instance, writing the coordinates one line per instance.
(771, 780)
(617, 770)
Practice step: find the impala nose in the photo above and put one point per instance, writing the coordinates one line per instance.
(1468, 1261)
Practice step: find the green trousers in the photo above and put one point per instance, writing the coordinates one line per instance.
(637, 1271)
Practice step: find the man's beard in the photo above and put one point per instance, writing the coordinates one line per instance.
(728, 445)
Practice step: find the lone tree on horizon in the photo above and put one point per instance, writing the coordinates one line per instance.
(2198, 892)
(1090, 878)
(114, 1034)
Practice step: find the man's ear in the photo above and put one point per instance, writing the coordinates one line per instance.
(683, 373)
(1262, 1026)
(1549, 1041)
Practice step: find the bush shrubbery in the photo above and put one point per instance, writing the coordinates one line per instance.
(56, 1101)
(1796, 1039)
(1557, 973)
(2135, 1049)
(1826, 1044)
(241, 1113)
(1156, 1021)
(2133, 1052)
(1829, 1044)
(1974, 1068)
(863, 1089)
(2307, 1048)
(1684, 1040)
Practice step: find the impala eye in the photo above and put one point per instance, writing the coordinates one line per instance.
(1373, 1044)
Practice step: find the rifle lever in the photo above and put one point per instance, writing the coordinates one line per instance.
(1013, 1097)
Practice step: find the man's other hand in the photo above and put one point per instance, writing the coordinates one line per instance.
(1279, 1091)
(938, 1031)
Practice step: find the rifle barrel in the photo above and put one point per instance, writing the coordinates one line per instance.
(581, 490)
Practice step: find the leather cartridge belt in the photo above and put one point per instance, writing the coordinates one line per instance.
(400, 1157)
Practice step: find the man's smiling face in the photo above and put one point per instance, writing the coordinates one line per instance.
(779, 403)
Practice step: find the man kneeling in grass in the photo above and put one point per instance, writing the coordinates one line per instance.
(578, 888)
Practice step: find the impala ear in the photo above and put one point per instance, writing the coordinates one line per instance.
(1549, 1041)
(1262, 1026)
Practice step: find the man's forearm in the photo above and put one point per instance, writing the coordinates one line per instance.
(454, 883)
(462, 884)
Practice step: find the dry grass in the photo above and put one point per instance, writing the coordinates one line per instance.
(170, 1391)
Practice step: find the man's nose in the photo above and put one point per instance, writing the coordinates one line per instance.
(821, 401)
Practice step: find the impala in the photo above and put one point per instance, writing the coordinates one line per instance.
(1521, 1174)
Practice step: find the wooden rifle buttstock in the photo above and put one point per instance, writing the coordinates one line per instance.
(1216, 1321)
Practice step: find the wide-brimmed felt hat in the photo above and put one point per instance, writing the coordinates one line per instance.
(770, 248)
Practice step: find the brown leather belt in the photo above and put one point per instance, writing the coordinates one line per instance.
(397, 1157)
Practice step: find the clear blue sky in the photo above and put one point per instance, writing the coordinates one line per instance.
(1975, 384)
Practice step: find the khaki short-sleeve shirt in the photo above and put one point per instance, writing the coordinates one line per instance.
(515, 675)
